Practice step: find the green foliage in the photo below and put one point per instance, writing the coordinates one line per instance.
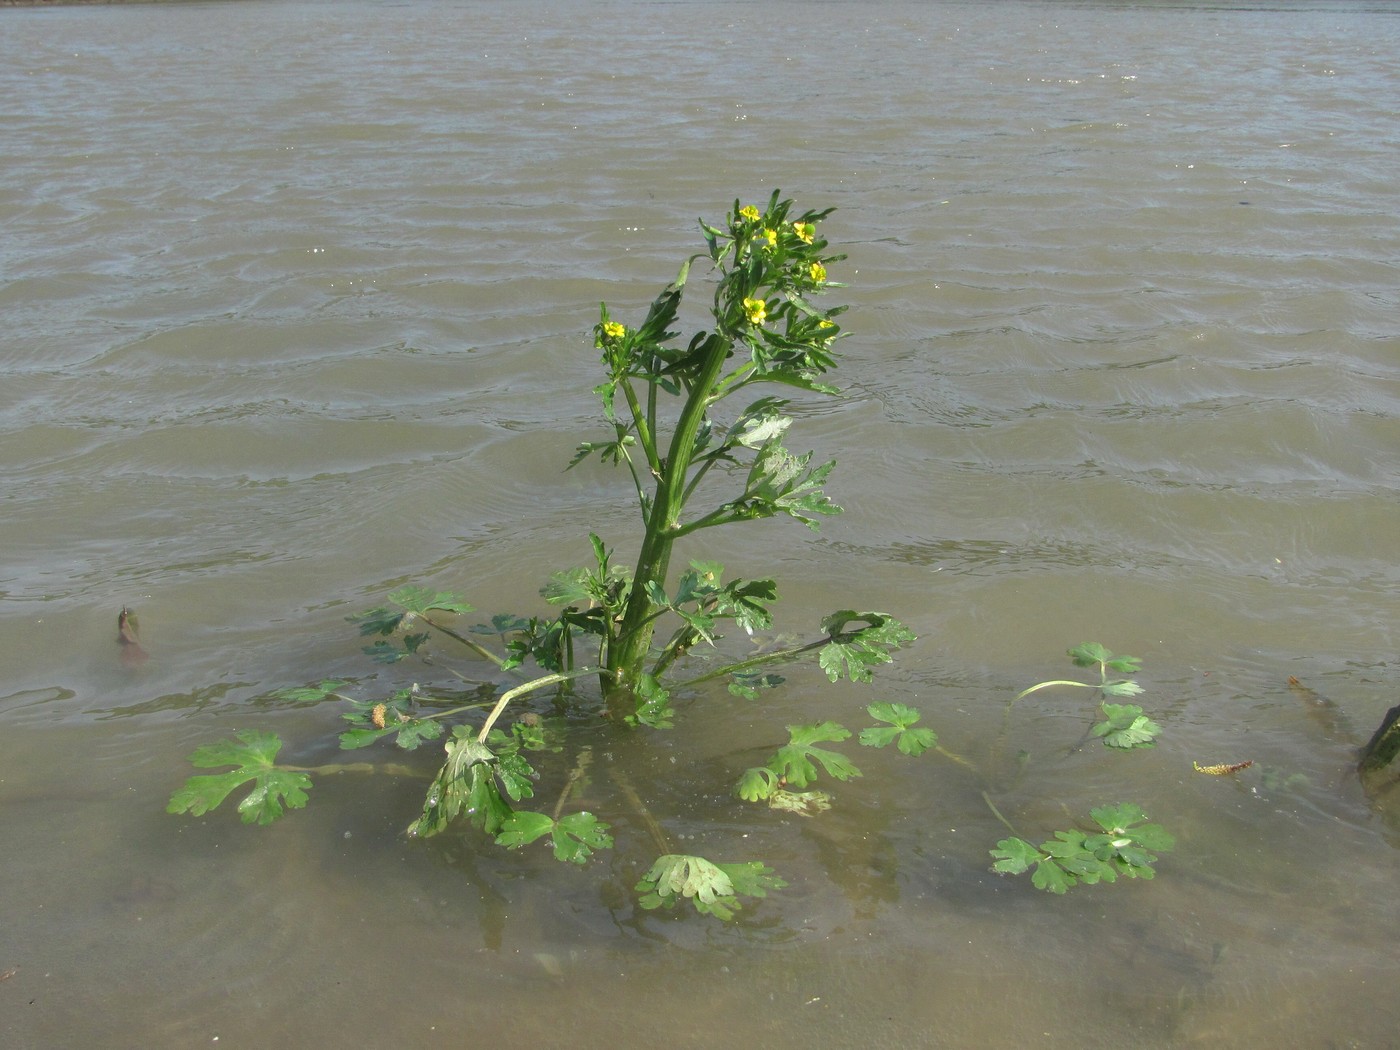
(314, 694)
(396, 716)
(254, 754)
(467, 785)
(1120, 845)
(900, 729)
(1126, 726)
(714, 889)
(693, 466)
(854, 652)
(575, 836)
(793, 763)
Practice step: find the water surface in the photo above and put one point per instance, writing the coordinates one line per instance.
(296, 302)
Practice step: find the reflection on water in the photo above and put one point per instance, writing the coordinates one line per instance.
(296, 303)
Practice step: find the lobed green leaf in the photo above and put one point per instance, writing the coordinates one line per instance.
(254, 753)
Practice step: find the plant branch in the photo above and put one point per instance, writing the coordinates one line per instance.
(528, 687)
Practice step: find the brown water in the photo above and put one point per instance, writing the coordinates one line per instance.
(296, 300)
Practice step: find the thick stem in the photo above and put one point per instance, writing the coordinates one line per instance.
(627, 655)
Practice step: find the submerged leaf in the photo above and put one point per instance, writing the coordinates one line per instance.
(1126, 727)
(793, 762)
(254, 753)
(312, 694)
(577, 835)
(421, 600)
(713, 889)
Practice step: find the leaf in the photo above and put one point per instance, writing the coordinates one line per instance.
(1123, 688)
(761, 428)
(420, 600)
(1015, 856)
(853, 653)
(465, 784)
(523, 827)
(781, 483)
(751, 878)
(1089, 654)
(757, 784)
(515, 774)
(1050, 877)
(1072, 857)
(743, 600)
(1126, 727)
(312, 694)
(748, 684)
(577, 835)
(381, 652)
(794, 762)
(380, 620)
(712, 888)
(253, 752)
(1224, 769)
(901, 721)
(654, 710)
(681, 875)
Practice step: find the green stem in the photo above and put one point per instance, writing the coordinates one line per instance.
(627, 655)
(997, 813)
(476, 647)
(528, 687)
(643, 427)
(395, 769)
(1046, 685)
(753, 661)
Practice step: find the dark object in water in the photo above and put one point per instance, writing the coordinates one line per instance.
(129, 638)
(1380, 762)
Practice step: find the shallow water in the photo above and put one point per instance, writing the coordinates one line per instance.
(297, 300)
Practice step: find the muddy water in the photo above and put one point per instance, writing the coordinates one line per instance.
(296, 300)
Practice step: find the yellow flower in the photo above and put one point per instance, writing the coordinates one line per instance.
(757, 310)
(772, 236)
(804, 231)
(613, 330)
(749, 212)
(817, 272)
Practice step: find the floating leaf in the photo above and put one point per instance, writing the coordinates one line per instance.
(523, 827)
(1073, 857)
(793, 762)
(757, 783)
(253, 752)
(901, 721)
(577, 835)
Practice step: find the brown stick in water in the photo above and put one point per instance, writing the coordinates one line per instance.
(128, 637)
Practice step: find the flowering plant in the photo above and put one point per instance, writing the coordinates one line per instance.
(660, 400)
